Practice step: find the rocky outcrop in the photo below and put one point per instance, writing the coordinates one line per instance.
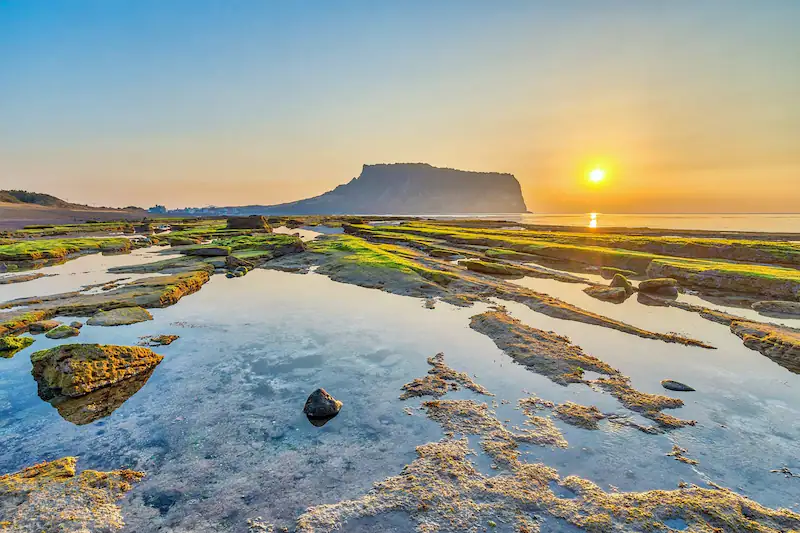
(412, 188)
(76, 369)
(494, 269)
(781, 344)
(208, 251)
(122, 316)
(252, 222)
(778, 308)
(10, 345)
(52, 496)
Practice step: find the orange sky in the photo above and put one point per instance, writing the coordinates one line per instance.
(691, 107)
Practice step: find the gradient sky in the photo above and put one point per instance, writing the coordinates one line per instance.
(692, 106)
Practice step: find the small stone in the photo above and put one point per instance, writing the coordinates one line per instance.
(320, 404)
(675, 385)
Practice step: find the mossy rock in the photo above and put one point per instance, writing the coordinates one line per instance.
(607, 294)
(208, 251)
(76, 369)
(62, 332)
(120, 317)
(495, 269)
(621, 281)
(10, 345)
(257, 222)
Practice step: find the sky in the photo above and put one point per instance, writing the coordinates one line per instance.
(690, 106)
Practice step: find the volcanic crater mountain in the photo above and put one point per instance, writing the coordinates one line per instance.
(407, 189)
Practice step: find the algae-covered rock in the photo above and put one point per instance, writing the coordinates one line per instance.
(10, 345)
(120, 317)
(622, 282)
(232, 263)
(257, 222)
(62, 332)
(583, 416)
(208, 251)
(76, 369)
(781, 344)
(52, 497)
(42, 326)
(660, 286)
(778, 308)
(607, 294)
(495, 269)
(320, 404)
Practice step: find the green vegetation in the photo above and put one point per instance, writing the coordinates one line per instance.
(32, 250)
(11, 345)
(46, 230)
(19, 321)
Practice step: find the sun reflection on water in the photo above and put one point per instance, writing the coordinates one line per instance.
(592, 220)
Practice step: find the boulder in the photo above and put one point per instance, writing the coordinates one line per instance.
(778, 308)
(660, 286)
(675, 385)
(208, 251)
(120, 317)
(622, 282)
(76, 369)
(257, 222)
(320, 404)
(10, 345)
(607, 294)
(43, 325)
(76, 324)
(62, 332)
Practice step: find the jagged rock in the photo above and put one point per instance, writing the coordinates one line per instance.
(607, 294)
(76, 369)
(10, 345)
(675, 385)
(621, 281)
(252, 222)
(122, 316)
(660, 286)
(778, 308)
(42, 326)
(62, 332)
(320, 404)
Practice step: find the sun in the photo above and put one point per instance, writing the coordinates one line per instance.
(597, 175)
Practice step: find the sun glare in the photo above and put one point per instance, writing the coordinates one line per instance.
(597, 175)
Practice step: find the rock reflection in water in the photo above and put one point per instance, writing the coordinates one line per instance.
(320, 421)
(100, 403)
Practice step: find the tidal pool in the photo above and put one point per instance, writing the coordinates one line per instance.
(220, 432)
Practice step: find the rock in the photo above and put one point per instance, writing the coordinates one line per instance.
(257, 222)
(607, 294)
(779, 343)
(675, 385)
(182, 241)
(76, 369)
(320, 404)
(652, 301)
(610, 272)
(777, 308)
(621, 281)
(660, 286)
(157, 340)
(20, 278)
(43, 325)
(495, 269)
(208, 251)
(76, 324)
(10, 345)
(232, 262)
(62, 332)
(120, 317)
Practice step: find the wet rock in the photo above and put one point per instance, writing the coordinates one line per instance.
(20, 278)
(779, 343)
(611, 272)
(257, 222)
(157, 340)
(582, 416)
(76, 324)
(621, 281)
(653, 301)
(62, 332)
(10, 345)
(778, 308)
(675, 385)
(659, 286)
(232, 263)
(52, 496)
(607, 294)
(495, 269)
(76, 369)
(208, 251)
(320, 404)
(43, 325)
(122, 316)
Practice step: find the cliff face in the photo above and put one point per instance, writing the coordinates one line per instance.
(414, 188)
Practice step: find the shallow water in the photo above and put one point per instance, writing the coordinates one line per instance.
(220, 432)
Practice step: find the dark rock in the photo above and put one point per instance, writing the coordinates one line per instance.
(252, 222)
(320, 404)
(208, 251)
(675, 385)
(660, 286)
(607, 294)
(622, 282)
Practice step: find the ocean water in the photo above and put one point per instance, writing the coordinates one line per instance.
(774, 223)
(218, 427)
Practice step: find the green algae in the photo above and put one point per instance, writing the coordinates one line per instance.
(10, 345)
(32, 250)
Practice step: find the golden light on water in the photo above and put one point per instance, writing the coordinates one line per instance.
(592, 220)
(597, 175)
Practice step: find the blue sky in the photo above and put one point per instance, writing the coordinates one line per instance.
(224, 102)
